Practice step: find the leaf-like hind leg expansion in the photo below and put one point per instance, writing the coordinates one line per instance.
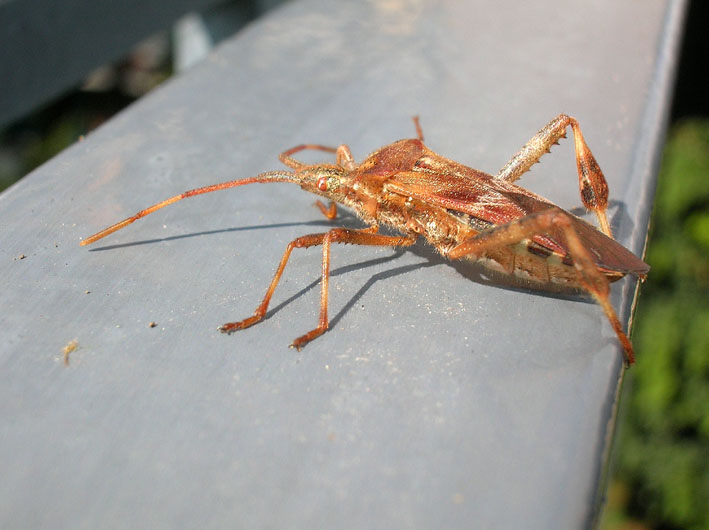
(551, 222)
(592, 183)
(336, 235)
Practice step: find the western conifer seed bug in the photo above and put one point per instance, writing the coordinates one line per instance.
(462, 212)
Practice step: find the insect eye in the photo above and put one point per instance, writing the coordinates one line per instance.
(322, 184)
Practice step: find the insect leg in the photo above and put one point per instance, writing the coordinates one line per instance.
(288, 160)
(336, 235)
(301, 242)
(592, 183)
(344, 158)
(328, 211)
(552, 222)
(419, 130)
(354, 237)
(343, 155)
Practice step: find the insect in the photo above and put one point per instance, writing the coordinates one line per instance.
(462, 212)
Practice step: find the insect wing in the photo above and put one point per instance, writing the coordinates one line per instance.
(476, 194)
(441, 182)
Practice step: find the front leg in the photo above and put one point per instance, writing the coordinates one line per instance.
(343, 155)
(592, 183)
(287, 156)
(551, 222)
(328, 211)
(336, 235)
(354, 237)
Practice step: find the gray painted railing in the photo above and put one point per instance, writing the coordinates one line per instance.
(438, 399)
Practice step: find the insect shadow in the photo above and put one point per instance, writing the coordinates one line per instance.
(471, 271)
(319, 223)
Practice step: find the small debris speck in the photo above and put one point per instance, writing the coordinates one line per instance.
(70, 347)
(21, 256)
(152, 324)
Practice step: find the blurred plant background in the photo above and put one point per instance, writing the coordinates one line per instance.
(31, 141)
(660, 465)
(660, 461)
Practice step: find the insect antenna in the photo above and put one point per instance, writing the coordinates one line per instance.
(271, 176)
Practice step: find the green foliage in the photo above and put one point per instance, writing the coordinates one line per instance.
(663, 452)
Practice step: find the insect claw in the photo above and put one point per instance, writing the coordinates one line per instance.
(305, 339)
(299, 343)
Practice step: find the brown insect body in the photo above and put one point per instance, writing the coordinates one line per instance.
(462, 212)
(448, 203)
